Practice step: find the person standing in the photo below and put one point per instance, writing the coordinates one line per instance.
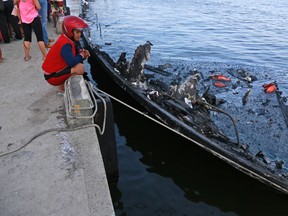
(7, 18)
(57, 9)
(31, 20)
(43, 17)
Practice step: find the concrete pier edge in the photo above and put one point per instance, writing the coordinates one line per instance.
(58, 173)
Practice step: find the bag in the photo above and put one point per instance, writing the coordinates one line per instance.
(1, 5)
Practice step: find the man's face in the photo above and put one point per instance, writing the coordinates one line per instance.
(77, 34)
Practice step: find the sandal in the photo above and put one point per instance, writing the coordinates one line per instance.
(25, 59)
(49, 45)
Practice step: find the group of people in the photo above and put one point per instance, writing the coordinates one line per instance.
(24, 16)
(6, 8)
(65, 57)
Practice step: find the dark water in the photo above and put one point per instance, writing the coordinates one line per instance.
(160, 172)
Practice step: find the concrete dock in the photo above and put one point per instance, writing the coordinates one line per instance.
(55, 173)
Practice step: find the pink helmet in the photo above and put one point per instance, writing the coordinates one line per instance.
(72, 22)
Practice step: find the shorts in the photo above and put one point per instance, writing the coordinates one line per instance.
(36, 26)
(58, 78)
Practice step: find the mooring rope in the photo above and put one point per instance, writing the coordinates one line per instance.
(101, 131)
(228, 160)
(161, 123)
(47, 131)
(91, 87)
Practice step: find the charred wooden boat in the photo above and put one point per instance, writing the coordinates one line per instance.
(235, 113)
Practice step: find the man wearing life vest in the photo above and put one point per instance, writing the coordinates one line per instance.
(66, 57)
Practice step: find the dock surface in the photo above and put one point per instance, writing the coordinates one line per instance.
(53, 173)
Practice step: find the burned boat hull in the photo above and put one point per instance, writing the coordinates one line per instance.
(254, 163)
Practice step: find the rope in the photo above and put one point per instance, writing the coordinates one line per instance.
(90, 89)
(93, 88)
(164, 125)
(101, 131)
(216, 109)
(48, 131)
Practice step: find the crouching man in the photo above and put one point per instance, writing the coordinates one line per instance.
(66, 57)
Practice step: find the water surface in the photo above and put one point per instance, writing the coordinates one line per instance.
(248, 32)
(160, 172)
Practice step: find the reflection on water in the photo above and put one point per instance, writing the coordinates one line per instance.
(160, 172)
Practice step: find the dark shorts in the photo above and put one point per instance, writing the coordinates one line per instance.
(37, 28)
(58, 78)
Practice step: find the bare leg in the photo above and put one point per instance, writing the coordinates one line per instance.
(42, 48)
(62, 88)
(27, 50)
(1, 57)
(54, 19)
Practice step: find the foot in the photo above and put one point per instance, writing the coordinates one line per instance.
(61, 94)
(27, 58)
(62, 88)
(49, 45)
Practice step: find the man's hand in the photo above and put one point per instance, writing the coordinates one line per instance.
(84, 53)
